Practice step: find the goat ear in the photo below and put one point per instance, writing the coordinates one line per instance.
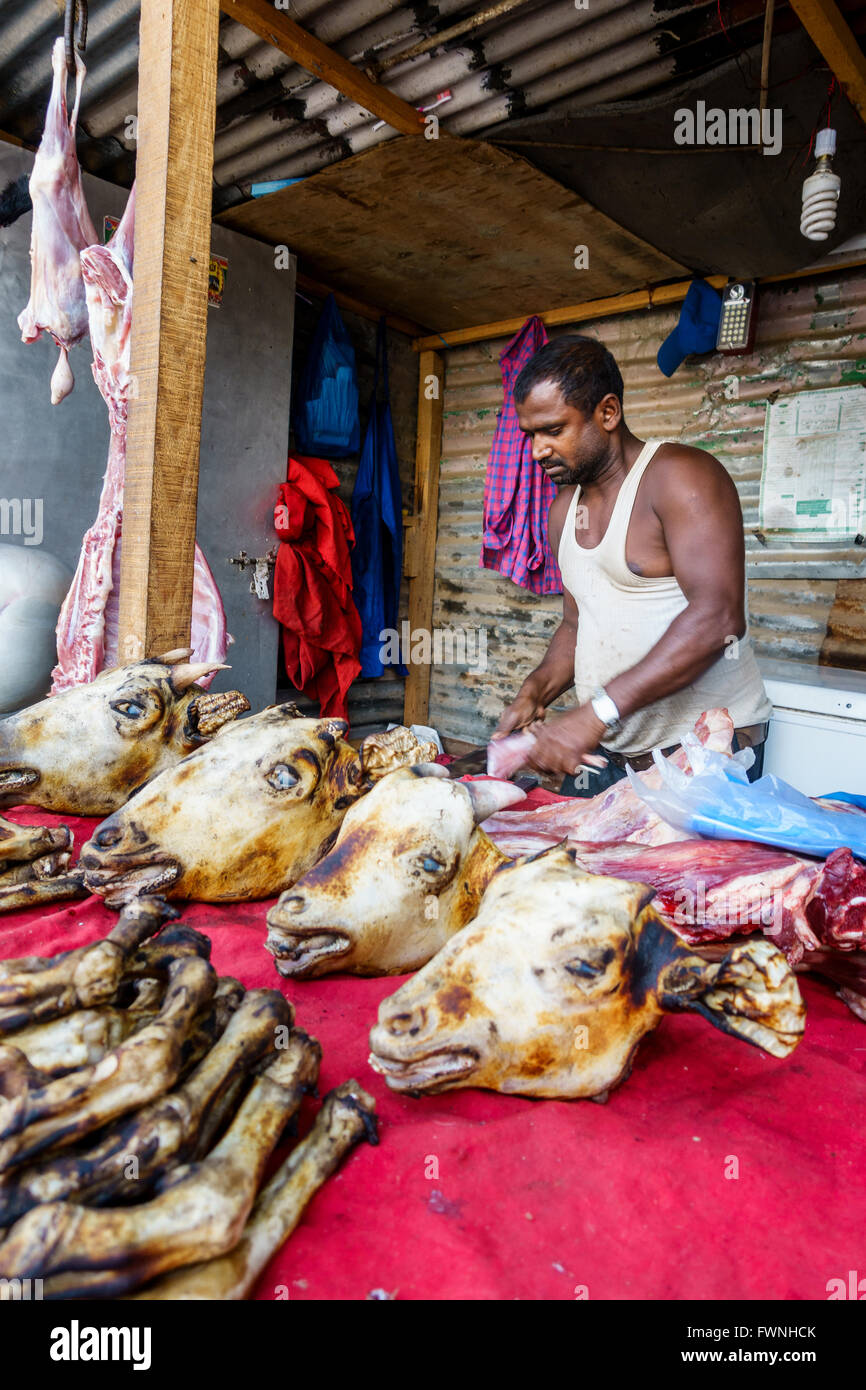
(751, 993)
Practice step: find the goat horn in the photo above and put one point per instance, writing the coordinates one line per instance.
(187, 673)
(178, 654)
(488, 797)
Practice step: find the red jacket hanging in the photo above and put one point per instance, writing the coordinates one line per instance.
(313, 585)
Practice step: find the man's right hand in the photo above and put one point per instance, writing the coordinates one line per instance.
(523, 711)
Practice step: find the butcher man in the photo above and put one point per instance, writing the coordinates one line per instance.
(649, 538)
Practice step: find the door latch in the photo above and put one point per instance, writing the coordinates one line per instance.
(261, 566)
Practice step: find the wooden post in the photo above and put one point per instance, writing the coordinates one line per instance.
(421, 532)
(176, 118)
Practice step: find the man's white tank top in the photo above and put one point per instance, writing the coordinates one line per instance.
(623, 615)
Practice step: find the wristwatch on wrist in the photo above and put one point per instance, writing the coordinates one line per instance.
(606, 710)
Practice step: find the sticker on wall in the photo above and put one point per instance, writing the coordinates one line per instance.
(216, 280)
(217, 270)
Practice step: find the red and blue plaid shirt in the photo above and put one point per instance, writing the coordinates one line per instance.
(517, 491)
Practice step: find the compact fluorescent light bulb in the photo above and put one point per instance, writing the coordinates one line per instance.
(821, 190)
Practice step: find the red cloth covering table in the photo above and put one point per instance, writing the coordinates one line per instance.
(475, 1195)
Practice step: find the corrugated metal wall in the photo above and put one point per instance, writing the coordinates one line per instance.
(811, 334)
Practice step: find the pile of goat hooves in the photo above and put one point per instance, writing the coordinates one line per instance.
(141, 1098)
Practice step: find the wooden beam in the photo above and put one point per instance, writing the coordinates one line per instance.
(421, 532)
(275, 27)
(319, 290)
(829, 31)
(570, 313)
(651, 298)
(178, 59)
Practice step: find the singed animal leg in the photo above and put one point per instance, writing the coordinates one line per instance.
(174, 941)
(22, 843)
(37, 892)
(199, 1214)
(135, 1150)
(140, 1069)
(347, 1116)
(34, 988)
(76, 1040)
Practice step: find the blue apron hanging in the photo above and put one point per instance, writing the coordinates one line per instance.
(377, 516)
(325, 416)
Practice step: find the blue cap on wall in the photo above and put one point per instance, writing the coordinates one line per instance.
(697, 327)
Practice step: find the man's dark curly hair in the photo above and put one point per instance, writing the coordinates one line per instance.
(582, 368)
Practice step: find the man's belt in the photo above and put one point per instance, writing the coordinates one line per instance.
(748, 737)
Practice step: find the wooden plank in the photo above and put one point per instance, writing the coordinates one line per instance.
(652, 298)
(318, 290)
(275, 27)
(439, 233)
(176, 118)
(431, 377)
(569, 313)
(829, 31)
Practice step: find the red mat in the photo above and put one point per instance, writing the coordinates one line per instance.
(475, 1195)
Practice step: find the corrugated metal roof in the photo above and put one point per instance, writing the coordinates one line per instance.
(275, 121)
(811, 334)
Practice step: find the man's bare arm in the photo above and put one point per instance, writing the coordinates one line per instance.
(555, 672)
(697, 504)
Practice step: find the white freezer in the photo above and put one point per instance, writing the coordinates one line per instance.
(817, 735)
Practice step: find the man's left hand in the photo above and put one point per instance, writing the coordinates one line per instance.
(562, 744)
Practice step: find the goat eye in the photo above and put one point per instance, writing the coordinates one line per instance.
(129, 708)
(283, 778)
(431, 865)
(584, 969)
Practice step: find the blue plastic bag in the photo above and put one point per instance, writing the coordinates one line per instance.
(377, 516)
(325, 415)
(719, 802)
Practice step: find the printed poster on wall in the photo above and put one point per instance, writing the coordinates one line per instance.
(813, 482)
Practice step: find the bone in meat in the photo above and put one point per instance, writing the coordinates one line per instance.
(162, 1133)
(146, 1065)
(61, 229)
(198, 1216)
(505, 756)
(347, 1116)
